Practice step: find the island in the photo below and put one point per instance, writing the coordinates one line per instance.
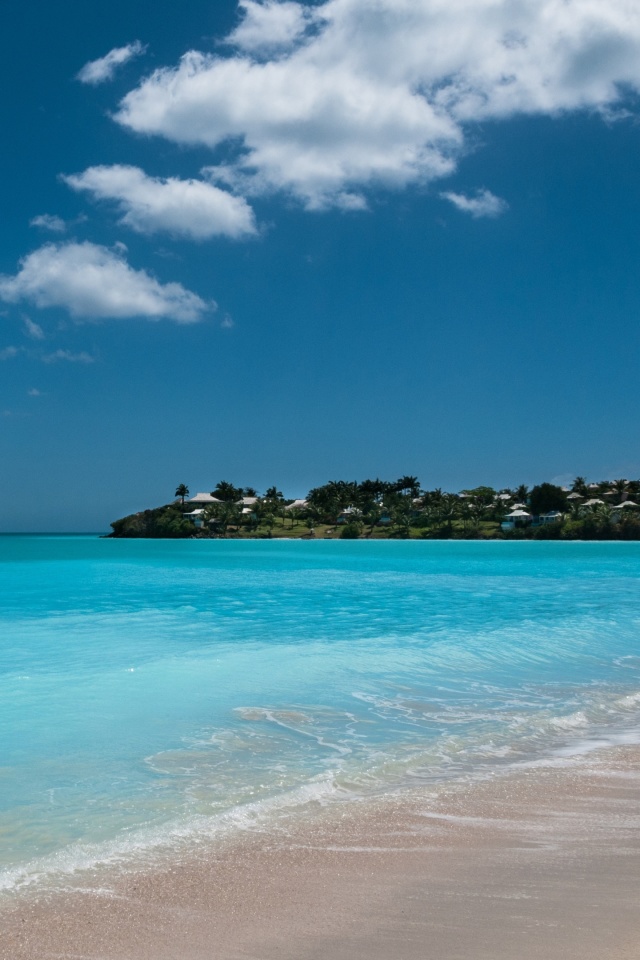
(400, 509)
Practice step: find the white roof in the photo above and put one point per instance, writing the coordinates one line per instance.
(203, 498)
(518, 513)
(249, 501)
(194, 513)
(574, 496)
(519, 506)
(592, 503)
(297, 504)
(627, 503)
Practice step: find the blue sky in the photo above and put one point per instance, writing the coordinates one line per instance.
(286, 243)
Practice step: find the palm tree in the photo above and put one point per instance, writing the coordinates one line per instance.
(621, 488)
(182, 491)
(409, 485)
(226, 491)
(579, 485)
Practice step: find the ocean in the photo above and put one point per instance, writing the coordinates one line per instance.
(154, 693)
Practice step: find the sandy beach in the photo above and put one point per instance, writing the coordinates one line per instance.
(540, 862)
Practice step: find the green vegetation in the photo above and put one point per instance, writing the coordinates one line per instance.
(379, 509)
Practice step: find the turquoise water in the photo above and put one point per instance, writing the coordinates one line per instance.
(152, 690)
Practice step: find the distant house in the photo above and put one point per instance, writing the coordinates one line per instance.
(618, 511)
(196, 517)
(552, 516)
(297, 505)
(517, 518)
(202, 500)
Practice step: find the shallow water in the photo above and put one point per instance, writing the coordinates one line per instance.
(154, 689)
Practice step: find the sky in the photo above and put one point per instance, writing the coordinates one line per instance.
(285, 243)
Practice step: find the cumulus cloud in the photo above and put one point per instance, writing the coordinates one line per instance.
(33, 329)
(103, 69)
(269, 25)
(34, 392)
(363, 93)
(48, 221)
(190, 208)
(94, 282)
(68, 356)
(484, 204)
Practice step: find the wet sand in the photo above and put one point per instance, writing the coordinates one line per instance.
(540, 863)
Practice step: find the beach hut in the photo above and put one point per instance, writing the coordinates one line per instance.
(517, 518)
(195, 516)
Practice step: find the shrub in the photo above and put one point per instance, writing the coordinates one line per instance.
(351, 530)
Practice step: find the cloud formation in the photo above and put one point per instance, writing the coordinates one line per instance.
(190, 208)
(94, 282)
(103, 69)
(8, 353)
(270, 25)
(484, 204)
(48, 221)
(330, 100)
(33, 329)
(68, 356)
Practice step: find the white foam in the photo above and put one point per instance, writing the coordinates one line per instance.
(131, 848)
(570, 722)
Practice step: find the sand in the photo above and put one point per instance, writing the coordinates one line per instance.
(542, 862)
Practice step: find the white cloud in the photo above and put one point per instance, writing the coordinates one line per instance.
(103, 69)
(94, 282)
(33, 329)
(269, 25)
(67, 355)
(48, 221)
(189, 208)
(366, 93)
(34, 392)
(8, 353)
(484, 204)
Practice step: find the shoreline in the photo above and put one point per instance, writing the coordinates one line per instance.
(542, 861)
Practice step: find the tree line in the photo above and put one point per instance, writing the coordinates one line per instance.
(400, 508)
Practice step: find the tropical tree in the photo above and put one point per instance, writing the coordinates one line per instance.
(621, 488)
(223, 514)
(547, 496)
(227, 492)
(579, 485)
(182, 491)
(407, 485)
(402, 515)
(250, 492)
(372, 491)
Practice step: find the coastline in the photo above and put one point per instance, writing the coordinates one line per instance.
(541, 861)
